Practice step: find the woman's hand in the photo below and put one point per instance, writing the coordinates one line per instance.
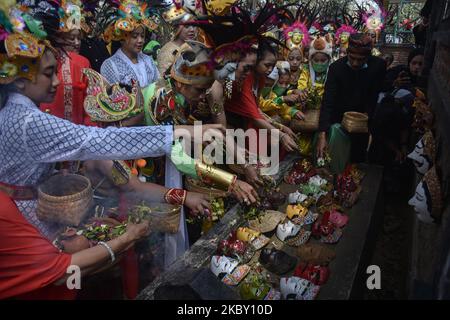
(302, 95)
(197, 202)
(288, 143)
(244, 192)
(75, 244)
(299, 116)
(291, 99)
(403, 80)
(322, 145)
(288, 131)
(252, 177)
(137, 231)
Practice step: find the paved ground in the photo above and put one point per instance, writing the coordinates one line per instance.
(393, 247)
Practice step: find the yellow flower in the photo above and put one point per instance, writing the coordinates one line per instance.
(8, 69)
(5, 5)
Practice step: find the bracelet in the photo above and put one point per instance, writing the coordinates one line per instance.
(111, 252)
(175, 196)
(233, 185)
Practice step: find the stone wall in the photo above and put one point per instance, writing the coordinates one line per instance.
(431, 244)
(400, 52)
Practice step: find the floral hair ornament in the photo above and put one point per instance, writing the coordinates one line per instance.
(109, 103)
(70, 15)
(329, 28)
(21, 59)
(23, 49)
(130, 15)
(6, 26)
(315, 30)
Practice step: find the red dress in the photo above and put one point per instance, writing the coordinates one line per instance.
(71, 92)
(29, 263)
(244, 103)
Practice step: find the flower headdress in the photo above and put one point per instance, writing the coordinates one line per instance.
(118, 20)
(70, 14)
(24, 40)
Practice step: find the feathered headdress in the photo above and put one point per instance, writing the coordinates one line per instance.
(297, 33)
(234, 35)
(296, 36)
(343, 34)
(374, 21)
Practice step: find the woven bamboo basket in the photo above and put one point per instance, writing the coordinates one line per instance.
(65, 199)
(311, 122)
(355, 122)
(196, 186)
(162, 217)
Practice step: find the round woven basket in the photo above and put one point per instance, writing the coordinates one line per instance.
(65, 199)
(196, 186)
(355, 122)
(311, 122)
(164, 217)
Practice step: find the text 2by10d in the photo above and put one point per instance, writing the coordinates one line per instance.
(246, 309)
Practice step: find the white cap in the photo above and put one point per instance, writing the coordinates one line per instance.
(322, 45)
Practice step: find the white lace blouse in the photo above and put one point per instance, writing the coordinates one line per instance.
(120, 69)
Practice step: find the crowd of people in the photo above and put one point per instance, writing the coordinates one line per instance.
(90, 88)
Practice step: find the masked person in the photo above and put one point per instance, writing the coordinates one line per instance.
(311, 84)
(297, 39)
